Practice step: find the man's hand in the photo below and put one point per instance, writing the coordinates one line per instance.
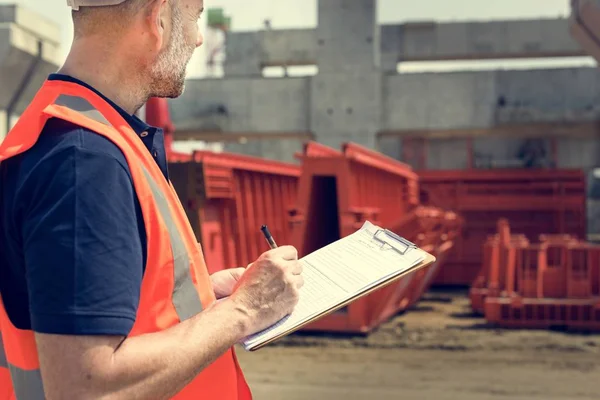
(268, 290)
(223, 282)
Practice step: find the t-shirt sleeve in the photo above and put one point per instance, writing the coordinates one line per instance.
(82, 246)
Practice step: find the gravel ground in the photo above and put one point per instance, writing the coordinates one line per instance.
(438, 350)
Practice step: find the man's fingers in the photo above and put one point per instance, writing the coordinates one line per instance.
(288, 253)
(297, 268)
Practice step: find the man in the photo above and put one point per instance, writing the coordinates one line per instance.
(104, 289)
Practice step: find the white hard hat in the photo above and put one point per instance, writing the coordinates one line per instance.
(75, 4)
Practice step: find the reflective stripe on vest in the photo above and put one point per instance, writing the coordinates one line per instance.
(185, 297)
(26, 384)
(3, 362)
(82, 106)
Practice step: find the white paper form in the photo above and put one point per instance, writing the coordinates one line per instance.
(337, 273)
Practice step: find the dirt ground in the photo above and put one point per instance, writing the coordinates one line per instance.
(436, 351)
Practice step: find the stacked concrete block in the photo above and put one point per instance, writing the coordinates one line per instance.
(29, 51)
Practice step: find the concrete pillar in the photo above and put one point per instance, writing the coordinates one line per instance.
(346, 95)
(348, 37)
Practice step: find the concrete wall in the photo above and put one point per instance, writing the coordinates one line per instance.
(247, 52)
(252, 105)
(357, 92)
(428, 101)
(354, 106)
(490, 98)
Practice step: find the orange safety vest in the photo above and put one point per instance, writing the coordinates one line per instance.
(176, 283)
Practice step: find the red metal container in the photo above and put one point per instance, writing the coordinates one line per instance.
(338, 192)
(553, 283)
(434, 231)
(479, 289)
(228, 197)
(534, 202)
(495, 275)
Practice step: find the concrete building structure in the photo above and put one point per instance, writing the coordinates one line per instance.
(29, 51)
(471, 119)
(359, 96)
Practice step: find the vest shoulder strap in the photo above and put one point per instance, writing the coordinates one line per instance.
(79, 111)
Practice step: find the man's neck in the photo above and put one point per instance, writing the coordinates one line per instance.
(114, 78)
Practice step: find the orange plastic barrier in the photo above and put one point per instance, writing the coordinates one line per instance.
(555, 282)
(534, 202)
(228, 197)
(338, 192)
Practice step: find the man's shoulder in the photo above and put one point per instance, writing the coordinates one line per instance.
(60, 136)
(67, 154)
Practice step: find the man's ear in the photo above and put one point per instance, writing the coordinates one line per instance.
(158, 15)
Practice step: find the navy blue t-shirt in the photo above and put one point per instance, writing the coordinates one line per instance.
(72, 238)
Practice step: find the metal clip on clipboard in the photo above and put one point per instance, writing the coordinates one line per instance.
(396, 242)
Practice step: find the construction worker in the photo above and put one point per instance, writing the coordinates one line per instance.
(104, 290)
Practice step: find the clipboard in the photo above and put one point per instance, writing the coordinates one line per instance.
(389, 242)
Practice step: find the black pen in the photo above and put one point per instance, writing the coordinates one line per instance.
(268, 236)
